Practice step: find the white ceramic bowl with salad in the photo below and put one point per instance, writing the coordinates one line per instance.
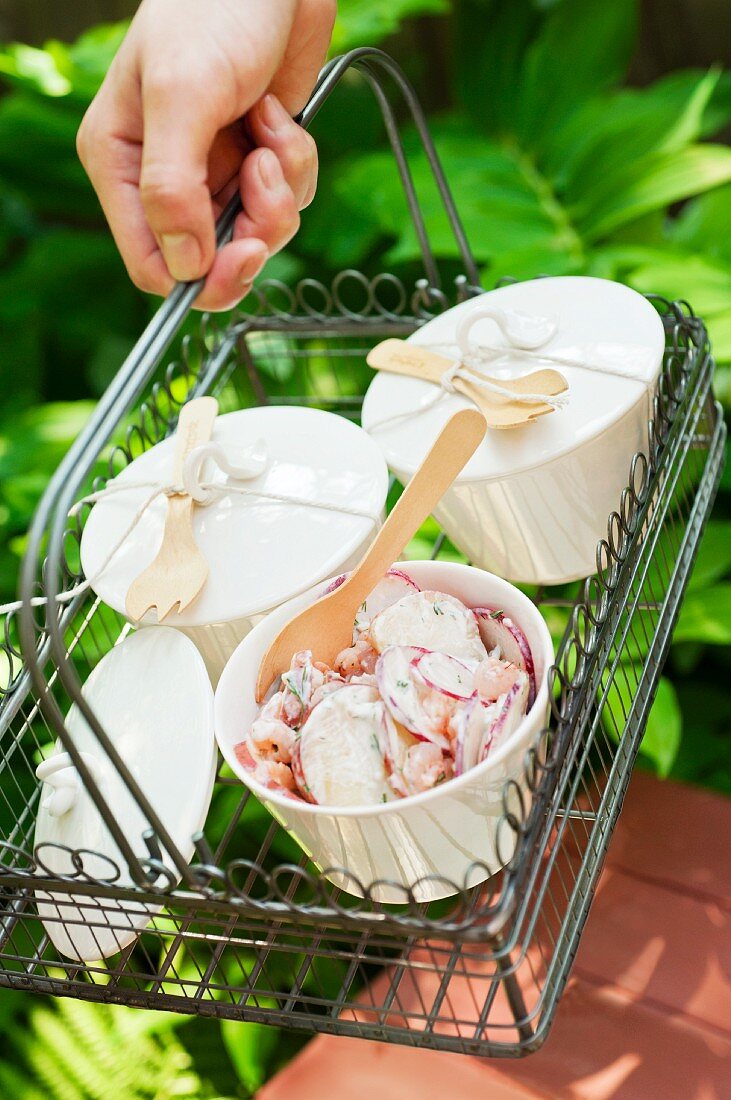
(360, 790)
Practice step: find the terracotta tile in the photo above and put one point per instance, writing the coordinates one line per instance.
(643, 1018)
(351, 1069)
(676, 834)
(663, 945)
(606, 1044)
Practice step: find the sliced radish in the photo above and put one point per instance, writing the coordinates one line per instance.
(406, 698)
(398, 741)
(498, 630)
(299, 775)
(474, 727)
(446, 675)
(335, 584)
(388, 591)
(513, 708)
(430, 620)
(340, 756)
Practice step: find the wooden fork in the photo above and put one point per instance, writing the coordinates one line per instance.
(175, 577)
(326, 626)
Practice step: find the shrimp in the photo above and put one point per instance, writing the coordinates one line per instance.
(272, 739)
(356, 659)
(298, 685)
(440, 710)
(425, 767)
(494, 678)
(270, 773)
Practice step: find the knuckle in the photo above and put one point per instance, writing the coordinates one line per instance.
(163, 82)
(162, 188)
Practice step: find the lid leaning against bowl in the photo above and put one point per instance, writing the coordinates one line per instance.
(152, 694)
(260, 550)
(611, 330)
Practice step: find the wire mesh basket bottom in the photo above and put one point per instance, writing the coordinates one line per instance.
(253, 931)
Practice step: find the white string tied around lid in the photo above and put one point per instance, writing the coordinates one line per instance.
(238, 464)
(525, 333)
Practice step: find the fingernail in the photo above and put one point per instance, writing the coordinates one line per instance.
(182, 255)
(270, 170)
(252, 266)
(273, 113)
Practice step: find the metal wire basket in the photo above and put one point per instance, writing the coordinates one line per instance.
(251, 930)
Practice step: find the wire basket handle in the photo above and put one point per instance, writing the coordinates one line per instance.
(125, 389)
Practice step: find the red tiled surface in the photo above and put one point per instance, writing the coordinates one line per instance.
(647, 1013)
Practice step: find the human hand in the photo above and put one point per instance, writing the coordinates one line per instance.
(197, 104)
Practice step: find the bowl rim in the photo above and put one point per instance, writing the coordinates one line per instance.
(285, 802)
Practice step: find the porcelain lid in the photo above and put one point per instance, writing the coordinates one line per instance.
(260, 552)
(153, 697)
(585, 319)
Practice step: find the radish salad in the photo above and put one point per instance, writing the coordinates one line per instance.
(427, 690)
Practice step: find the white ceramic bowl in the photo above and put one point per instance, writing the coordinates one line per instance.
(533, 502)
(439, 833)
(260, 552)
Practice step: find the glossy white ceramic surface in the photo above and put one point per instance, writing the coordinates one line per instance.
(154, 698)
(440, 833)
(260, 552)
(533, 501)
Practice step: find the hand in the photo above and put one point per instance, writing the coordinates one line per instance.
(197, 103)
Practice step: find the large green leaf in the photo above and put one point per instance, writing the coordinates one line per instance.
(706, 616)
(503, 201)
(609, 133)
(583, 47)
(661, 740)
(703, 281)
(367, 22)
(59, 69)
(650, 183)
(250, 1047)
(704, 224)
(490, 41)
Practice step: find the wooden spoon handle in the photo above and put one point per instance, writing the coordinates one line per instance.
(455, 445)
(195, 425)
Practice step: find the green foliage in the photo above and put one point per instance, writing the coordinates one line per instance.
(72, 1050)
(555, 167)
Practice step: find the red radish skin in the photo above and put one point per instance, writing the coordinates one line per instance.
(513, 709)
(299, 775)
(445, 674)
(473, 730)
(401, 694)
(497, 629)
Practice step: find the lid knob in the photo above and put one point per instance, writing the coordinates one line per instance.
(61, 775)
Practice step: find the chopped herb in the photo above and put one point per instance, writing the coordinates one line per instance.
(438, 610)
(383, 798)
(307, 789)
(374, 742)
(440, 778)
(497, 615)
(402, 683)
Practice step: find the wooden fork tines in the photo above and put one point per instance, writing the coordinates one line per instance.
(177, 574)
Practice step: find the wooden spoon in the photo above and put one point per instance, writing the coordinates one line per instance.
(399, 357)
(326, 627)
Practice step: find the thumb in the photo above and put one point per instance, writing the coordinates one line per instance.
(178, 131)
